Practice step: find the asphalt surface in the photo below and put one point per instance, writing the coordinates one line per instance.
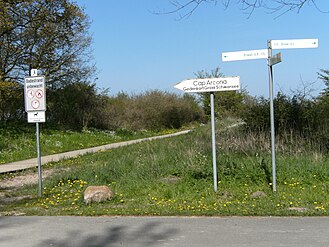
(25, 164)
(21, 231)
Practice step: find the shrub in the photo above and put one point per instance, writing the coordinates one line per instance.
(152, 110)
(294, 116)
(73, 106)
(11, 101)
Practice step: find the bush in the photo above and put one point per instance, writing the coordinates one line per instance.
(73, 106)
(153, 110)
(79, 106)
(11, 101)
(294, 116)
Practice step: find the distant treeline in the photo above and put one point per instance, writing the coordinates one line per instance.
(79, 106)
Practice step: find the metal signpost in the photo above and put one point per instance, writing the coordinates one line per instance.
(261, 54)
(211, 85)
(271, 60)
(35, 106)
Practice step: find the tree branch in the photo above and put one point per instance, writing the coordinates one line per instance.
(280, 7)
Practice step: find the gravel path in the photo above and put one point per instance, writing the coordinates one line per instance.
(25, 164)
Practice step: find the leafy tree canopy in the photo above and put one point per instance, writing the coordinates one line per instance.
(50, 35)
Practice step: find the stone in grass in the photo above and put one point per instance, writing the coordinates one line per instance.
(258, 194)
(97, 194)
(298, 209)
(170, 179)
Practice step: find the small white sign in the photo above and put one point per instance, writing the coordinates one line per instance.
(294, 43)
(244, 55)
(209, 84)
(36, 117)
(35, 93)
(34, 72)
(277, 58)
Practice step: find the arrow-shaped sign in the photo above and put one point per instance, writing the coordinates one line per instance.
(244, 55)
(209, 84)
(294, 43)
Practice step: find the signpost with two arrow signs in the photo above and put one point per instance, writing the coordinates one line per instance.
(271, 60)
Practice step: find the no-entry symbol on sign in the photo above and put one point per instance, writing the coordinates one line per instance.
(35, 93)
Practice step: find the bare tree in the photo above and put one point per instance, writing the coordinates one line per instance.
(187, 7)
(324, 76)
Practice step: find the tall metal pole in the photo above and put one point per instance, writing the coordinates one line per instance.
(213, 140)
(39, 160)
(270, 70)
(38, 147)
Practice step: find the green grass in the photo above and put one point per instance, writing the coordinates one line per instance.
(19, 143)
(174, 177)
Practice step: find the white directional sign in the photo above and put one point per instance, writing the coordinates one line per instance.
(294, 43)
(36, 116)
(244, 55)
(35, 93)
(272, 60)
(209, 84)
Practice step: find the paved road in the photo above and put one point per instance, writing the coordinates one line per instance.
(21, 231)
(25, 164)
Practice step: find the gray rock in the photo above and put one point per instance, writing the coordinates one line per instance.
(97, 194)
(258, 194)
(298, 209)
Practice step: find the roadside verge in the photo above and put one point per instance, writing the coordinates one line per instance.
(25, 164)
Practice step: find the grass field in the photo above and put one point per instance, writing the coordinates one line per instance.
(19, 143)
(174, 177)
